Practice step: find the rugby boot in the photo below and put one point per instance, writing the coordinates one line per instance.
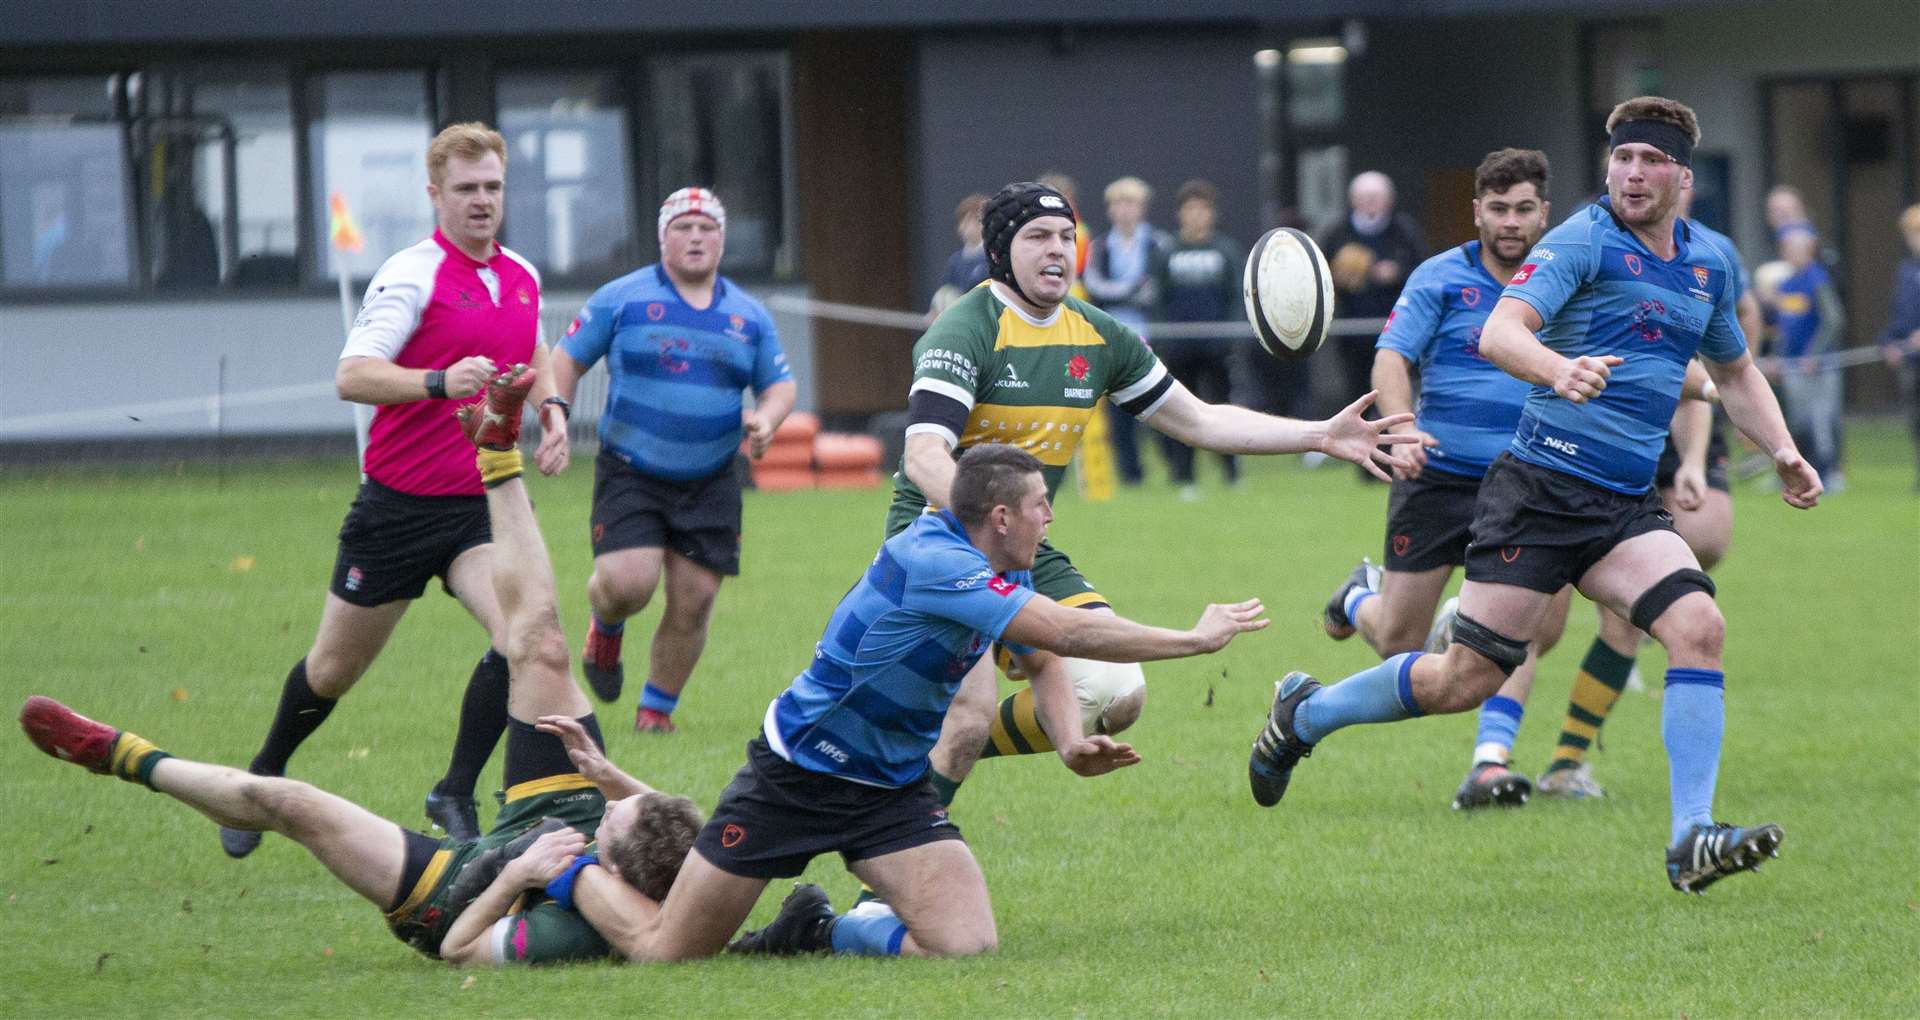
(600, 661)
(459, 817)
(648, 720)
(1334, 617)
(1573, 782)
(1440, 635)
(1276, 750)
(68, 735)
(1709, 853)
(494, 423)
(804, 925)
(1492, 784)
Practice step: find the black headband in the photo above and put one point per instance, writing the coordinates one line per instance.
(1671, 139)
(1003, 216)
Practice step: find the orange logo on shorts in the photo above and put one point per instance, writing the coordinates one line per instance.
(731, 835)
(1401, 543)
(1509, 554)
(599, 532)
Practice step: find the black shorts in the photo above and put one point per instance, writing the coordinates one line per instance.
(1716, 460)
(392, 543)
(699, 519)
(1428, 521)
(1541, 529)
(775, 816)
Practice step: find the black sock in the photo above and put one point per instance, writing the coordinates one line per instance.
(300, 713)
(483, 717)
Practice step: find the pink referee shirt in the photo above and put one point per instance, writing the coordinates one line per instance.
(428, 307)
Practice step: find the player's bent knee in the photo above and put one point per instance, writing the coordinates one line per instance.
(1655, 601)
(1111, 694)
(1693, 630)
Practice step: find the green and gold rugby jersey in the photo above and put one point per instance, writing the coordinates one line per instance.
(986, 372)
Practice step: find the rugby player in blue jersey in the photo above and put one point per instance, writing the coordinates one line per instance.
(681, 342)
(1467, 413)
(1602, 319)
(841, 762)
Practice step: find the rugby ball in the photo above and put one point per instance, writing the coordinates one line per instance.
(1289, 292)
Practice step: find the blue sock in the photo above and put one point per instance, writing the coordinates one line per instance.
(869, 935)
(609, 629)
(1352, 605)
(1692, 717)
(1499, 724)
(660, 701)
(1382, 693)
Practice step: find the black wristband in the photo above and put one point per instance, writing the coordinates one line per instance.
(566, 409)
(436, 385)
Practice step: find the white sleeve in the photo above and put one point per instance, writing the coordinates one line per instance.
(388, 316)
(497, 940)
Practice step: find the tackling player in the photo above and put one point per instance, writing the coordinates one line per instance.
(1602, 319)
(437, 318)
(470, 902)
(841, 762)
(1018, 360)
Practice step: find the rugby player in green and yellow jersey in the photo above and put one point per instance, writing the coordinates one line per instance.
(1020, 361)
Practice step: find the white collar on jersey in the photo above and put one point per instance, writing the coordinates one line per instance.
(1006, 298)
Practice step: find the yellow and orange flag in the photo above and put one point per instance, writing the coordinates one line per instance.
(344, 231)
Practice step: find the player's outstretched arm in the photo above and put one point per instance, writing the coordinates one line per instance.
(467, 944)
(1059, 711)
(588, 758)
(1045, 624)
(1510, 340)
(1756, 413)
(1225, 428)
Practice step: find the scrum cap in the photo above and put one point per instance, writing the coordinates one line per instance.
(687, 202)
(1005, 213)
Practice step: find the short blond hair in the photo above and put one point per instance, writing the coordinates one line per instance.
(1910, 220)
(472, 140)
(1660, 108)
(1129, 187)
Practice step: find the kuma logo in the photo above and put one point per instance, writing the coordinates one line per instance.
(1012, 380)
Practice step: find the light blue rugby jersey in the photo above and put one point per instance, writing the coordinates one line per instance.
(1742, 281)
(1466, 401)
(1600, 292)
(869, 707)
(673, 409)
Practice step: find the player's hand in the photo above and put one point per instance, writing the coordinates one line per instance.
(554, 451)
(469, 376)
(759, 433)
(1689, 486)
(1411, 458)
(1581, 379)
(545, 859)
(581, 750)
(1799, 482)
(1352, 438)
(1098, 755)
(1221, 623)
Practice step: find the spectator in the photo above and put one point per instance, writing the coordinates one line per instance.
(1787, 208)
(1810, 323)
(966, 268)
(1371, 252)
(1124, 266)
(1901, 342)
(1201, 283)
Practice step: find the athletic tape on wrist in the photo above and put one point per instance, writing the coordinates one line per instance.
(436, 384)
(560, 890)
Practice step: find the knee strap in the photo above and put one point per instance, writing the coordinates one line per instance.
(1668, 590)
(1504, 651)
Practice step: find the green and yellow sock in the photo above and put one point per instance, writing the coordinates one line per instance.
(1603, 675)
(498, 466)
(1016, 728)
(133, 758)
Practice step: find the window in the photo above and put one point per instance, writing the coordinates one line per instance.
(1316, 83)
(720, 122)
(367, 137)
(214, 150)
(569, 181)
(64, 185)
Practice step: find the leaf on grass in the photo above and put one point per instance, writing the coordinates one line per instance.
(179, 694)
(241, 564)
(1265, 978)
(327, 952)
(88, 831)
(1209, 702)
(100, 962)
(243, 894)
(359, 753)
(1000, 820)
(140, 544)
(49, 860)
(12, 898)
(1818, 937)
(143, 649)
(186, 905)
(469, 982)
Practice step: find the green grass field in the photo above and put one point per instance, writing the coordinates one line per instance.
(172, 601)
